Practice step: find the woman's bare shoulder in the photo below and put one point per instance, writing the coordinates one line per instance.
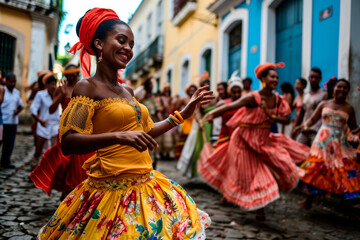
(85, 87)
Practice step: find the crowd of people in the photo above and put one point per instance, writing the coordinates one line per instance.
(102, 153)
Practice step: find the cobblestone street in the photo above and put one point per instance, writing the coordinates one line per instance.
(24, 208)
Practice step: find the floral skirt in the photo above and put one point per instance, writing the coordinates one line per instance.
(145, 207)
(337, 184)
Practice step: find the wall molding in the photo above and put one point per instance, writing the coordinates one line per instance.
(235, 16)
(268, 34)
(344, 39)
(210, 45)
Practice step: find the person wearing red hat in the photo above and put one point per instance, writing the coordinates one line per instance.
(56, 171)
(253, 150)
(47, 123)
(123, 197)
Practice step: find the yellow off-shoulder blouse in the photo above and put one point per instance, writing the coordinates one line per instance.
(87, 116)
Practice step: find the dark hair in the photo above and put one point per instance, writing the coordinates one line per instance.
(10, 75)
(40, 82)
(147, 83)
(205, 80)
(316, 69)
(286, 87)
(302, 81)
(266, 72)
(193, 86)
(247, 79)
(50, 80)
(224, 84)
(330, 87)
(101, 32)
(163, 92)
(343, 80)
(70, 66)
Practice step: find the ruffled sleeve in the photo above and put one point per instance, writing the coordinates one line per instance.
(147, 124)
(77, 116)
(284, 108)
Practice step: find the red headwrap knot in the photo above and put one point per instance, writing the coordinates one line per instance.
(89, 25)
(263, 67)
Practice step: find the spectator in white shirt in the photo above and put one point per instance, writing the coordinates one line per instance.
(10, 107)
(47, 124)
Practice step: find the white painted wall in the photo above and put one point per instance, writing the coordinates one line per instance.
(37, 50)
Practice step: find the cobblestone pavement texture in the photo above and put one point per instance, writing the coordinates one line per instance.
(24, 208)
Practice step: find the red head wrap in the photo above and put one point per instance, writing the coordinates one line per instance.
(89, 24)
(263, 67)
(330, 80)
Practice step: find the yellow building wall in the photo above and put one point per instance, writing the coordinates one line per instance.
(21, 22)
(189, 38)
(140, 19)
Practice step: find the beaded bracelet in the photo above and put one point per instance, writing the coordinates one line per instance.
(175, 119)
(179, 116)
(172, 122)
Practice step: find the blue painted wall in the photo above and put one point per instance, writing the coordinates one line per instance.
(325, 39)
(324, 43)
(253, 59)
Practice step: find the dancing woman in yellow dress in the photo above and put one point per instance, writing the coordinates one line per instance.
(123, 197)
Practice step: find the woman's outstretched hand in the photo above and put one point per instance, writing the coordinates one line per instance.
(140, 140)
(209, 117)
(200, 97)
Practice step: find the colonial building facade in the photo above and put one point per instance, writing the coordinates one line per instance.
(175, 40)
(301, 33)
(224, 36)
(28, 37)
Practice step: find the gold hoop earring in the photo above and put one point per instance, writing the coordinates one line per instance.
(264, 84)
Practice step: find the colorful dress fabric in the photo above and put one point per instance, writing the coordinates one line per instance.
(194, 145)
(225, 131)
(123, 197)
(331, 169)
(59, 172)
(255, 160)
(185, 129)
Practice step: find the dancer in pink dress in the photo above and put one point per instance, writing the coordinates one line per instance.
(257, 161)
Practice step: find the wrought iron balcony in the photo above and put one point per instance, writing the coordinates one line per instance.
(151, 56)
(45, 7)
(182, 10)
(180, 4)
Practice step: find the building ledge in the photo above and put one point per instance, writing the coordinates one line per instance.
(219, 6)
(184, 13)
(46, 8)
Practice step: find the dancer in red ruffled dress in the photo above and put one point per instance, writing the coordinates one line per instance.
(56, 171)
(243, 175)
(209, 167)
